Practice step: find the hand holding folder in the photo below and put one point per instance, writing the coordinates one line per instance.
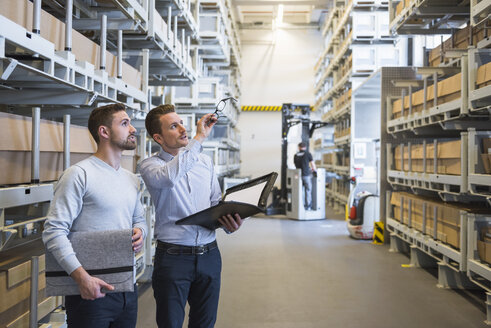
(245, 199)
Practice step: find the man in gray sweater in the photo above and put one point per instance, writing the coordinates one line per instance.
(93, 195)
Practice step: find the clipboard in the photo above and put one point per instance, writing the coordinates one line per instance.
(245, 199)
(107, 255)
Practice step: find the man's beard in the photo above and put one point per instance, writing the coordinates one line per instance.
(123, 145)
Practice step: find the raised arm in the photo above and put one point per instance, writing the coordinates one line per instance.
(158, 173)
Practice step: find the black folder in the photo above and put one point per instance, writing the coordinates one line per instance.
(258, 189)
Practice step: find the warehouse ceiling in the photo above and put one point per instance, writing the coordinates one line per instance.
(266, 14)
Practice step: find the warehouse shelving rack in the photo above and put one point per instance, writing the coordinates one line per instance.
(457, 114)
(446, 185)
(45, 77)
(478, 271)
(170, 60)
(425, 249)
(459, 117)
(166, 32)
(479, 98)
(353, 34)
(184, 10)
(479, 183)
(218, 52)
(480, 11)
(427, 16)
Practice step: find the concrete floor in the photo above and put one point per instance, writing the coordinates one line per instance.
(280, 273)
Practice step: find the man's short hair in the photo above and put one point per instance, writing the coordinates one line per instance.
(152, 121)
(302, 145)
(103, 116)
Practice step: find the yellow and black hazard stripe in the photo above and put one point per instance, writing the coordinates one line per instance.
(378, 233)
(261, 108)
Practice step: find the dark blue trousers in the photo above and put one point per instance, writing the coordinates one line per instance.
(192, 278)
(115, 310)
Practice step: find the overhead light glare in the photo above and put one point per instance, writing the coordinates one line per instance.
(280, 14)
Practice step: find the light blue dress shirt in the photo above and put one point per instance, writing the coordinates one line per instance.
(181, 186)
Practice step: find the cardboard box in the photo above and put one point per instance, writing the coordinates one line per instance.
(447, 90)
(484, 251)
(486, 155)
(15, 280)
(459, 40)
(449, 234)
(447, 216)
(486, 162)
(483, 75)
(328, 158)
(15, 150)
(448, 157)
(399, 8)
(486, 143)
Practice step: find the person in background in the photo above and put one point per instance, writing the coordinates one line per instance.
(303, 160)
(93, 195)
(182, 181)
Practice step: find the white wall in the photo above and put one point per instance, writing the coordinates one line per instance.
(276, 68)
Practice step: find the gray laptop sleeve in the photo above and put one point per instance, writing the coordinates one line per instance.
(107, 255)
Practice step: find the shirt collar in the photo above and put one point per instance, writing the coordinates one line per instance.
(165, 155)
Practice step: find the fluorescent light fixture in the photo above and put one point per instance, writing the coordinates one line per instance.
(280, 14)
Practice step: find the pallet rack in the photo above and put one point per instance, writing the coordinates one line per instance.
(219, 56)
(357, 43)
(436, 104)
(59, 60)
(427, 16)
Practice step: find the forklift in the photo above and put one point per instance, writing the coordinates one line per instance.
(288, 200)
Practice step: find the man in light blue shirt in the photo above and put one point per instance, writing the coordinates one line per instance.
(182, 181)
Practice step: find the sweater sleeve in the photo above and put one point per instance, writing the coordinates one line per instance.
(64, 209)
(139, 220)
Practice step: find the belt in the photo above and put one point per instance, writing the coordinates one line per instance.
(174, 249)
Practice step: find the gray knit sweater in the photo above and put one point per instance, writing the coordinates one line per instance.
(91, 195)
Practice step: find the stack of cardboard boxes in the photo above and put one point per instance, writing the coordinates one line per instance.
(447, 157)
(15, 151)
(343, 99)
(342, 129)
(440, 220)
(459, 40)
(422, 216)
(484, 244)
(15, 286)
(447, 90)
(328, 159)
(342, 159)
(345, 68)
